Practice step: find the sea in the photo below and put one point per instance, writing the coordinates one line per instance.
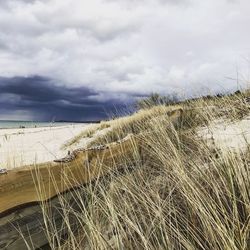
(31, 124)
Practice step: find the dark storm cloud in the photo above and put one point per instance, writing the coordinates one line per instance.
(123, 49)
(46, 100)
(41, 89)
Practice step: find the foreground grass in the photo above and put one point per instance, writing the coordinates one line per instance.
(174, 191)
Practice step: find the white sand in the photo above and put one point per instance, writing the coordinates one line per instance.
(229, 136)
(20, 147)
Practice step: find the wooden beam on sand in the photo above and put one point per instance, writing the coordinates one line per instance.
(23, 190)
(31, 184)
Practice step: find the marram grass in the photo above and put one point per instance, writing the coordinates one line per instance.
(174, 191)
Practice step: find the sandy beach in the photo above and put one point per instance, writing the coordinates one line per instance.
(228, 136)
(26, 146)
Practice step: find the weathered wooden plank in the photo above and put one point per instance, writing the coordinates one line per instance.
(38, 183)
(25, 228)
(22, 191)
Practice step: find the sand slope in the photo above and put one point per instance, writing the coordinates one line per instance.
(228, 135)
(35, 145)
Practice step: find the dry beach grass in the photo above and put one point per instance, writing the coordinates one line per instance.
(177, 190)
(171, 187)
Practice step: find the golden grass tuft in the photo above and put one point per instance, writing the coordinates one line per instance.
(173, 192)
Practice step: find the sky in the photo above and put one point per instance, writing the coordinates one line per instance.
(84, 60)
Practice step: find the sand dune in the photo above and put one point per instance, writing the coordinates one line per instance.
(228, 135)
(20, 147)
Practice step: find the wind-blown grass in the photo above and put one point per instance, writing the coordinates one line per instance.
(173, 192)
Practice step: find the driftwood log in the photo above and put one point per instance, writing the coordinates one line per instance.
(23, 190)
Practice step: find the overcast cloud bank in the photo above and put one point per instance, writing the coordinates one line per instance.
(113, 50)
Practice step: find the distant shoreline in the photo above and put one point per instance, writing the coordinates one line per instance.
(32, 124)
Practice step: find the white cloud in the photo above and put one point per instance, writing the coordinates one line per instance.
(126, 46)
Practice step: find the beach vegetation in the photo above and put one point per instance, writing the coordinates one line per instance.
(176, 190)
